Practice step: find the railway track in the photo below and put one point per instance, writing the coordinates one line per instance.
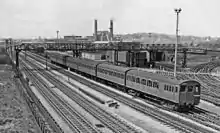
(75, 121)
(210, 84)
(110, 121)
(167, 119)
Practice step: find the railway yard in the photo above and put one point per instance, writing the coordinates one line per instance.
(67, 99)
(74, 103)
(139, 78)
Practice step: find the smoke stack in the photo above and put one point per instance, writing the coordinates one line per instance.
(95, 29)
(111, 29)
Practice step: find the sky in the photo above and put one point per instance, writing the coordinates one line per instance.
(33, 18)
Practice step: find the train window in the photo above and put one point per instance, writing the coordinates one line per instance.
(155, 84)
(137, 80)
(149, 83)
(143, 81)
(172, 88)
(133, 78)
(182, 88)
(169, 88)
(130, 78)
(114, 73)
(165, 87)
(122, 76)
(118, 75)
(176, 89)
(110, 73)
(197, 89)
(190, 88)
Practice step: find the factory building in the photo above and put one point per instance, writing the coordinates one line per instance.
(103, 35)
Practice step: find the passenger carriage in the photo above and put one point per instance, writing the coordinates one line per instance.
(112, 73)
(181, 93)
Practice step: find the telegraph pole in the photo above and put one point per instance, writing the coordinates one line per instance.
(177, 11)
(57, 37)
(46, 57)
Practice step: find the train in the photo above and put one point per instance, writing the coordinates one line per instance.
(177, 94)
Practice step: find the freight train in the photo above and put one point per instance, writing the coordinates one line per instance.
(178, 94)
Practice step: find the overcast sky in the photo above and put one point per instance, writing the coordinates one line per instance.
(32, 18)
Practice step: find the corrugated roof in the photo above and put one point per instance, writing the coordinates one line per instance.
(154, 76)
(116, 68)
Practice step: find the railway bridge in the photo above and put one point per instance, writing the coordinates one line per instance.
(157, 52)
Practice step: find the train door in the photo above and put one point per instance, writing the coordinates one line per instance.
(182, 94)
(176, 93)
(64, 60)
(138, 83)
(173, 92)
(196, 94)
(190, 94)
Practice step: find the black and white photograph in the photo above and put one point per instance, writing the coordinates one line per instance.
(109, 66)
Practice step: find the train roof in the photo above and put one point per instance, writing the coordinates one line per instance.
(155, 76)
(114, 67)
(58, 53)
(84, 61)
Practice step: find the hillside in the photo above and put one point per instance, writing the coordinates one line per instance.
(207, 42)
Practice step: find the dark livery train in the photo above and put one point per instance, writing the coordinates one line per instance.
(180, 94)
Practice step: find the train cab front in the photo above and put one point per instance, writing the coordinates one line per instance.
(197, 91)
(189, 94)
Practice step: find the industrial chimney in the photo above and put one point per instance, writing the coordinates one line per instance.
(111, 29)
(95, 29)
